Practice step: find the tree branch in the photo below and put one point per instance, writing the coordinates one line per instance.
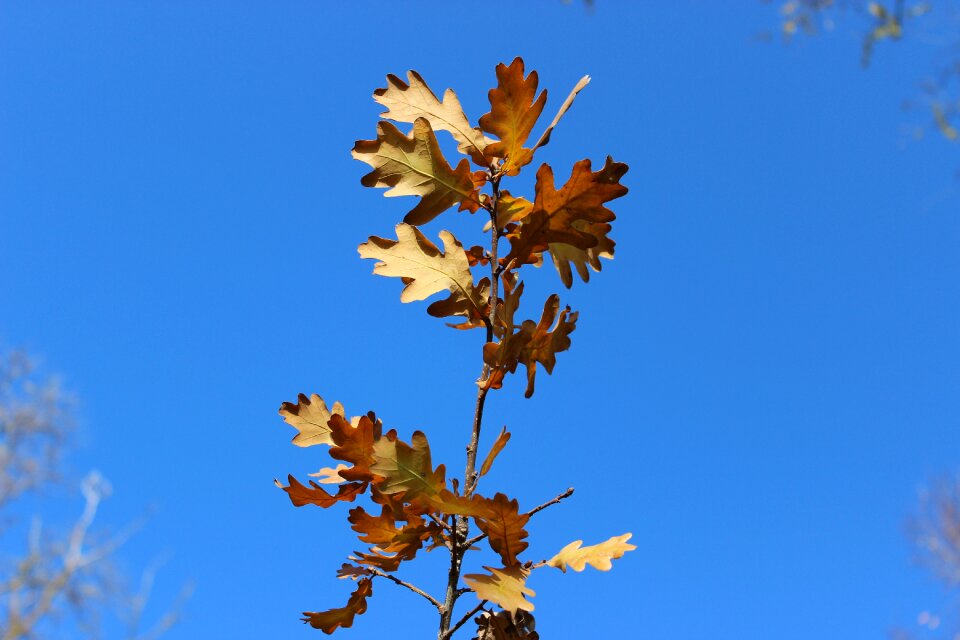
(465, 619)
(416, 590)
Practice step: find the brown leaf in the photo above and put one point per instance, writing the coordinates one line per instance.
(504, 625)
(315, 494)
(533, 343)
(495, 450)
(382, 532)
(406, 467)
(415, 166)
(353, 572)
(310, 417)
(566, 254)
(555, 212)
(328, 621)
(424, 268)
(354, 444)
(504, 587)
(457, 304)
(503, 523)
(407, 102)
(545, 137)
(597, 556)
(513, 112)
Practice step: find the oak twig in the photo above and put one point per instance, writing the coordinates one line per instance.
(402, 583)
(465, 619)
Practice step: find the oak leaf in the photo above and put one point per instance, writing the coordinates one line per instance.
(415, 166)
(351, 571)
(458, 305)
(565, 255)
(382, 532)
(330, 475)
(301, 495)
(328, 621)
(513, 112)
(407, 102)
(423, 268)
(597, 556)
(533, 343)
(406, 467)
(495, 450)
(505, 587)
(354, 443)
(310, 416)
(504, 625)
(556, 211)
(545, 136)
(503, 523)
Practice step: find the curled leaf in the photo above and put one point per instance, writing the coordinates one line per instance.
(329, 621)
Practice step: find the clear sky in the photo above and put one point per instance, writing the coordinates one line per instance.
(759, 383)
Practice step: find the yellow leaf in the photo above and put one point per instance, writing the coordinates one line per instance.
(310, 418)
(423, 267)
(504, 587)
(415, 166)
(495, 450)
(597, 556)
(330, 475)
(407, 102)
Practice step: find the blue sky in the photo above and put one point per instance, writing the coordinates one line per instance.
(759, 383)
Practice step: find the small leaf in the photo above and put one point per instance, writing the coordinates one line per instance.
(310, 417)
(415, 166)
(505, 587)
(495, 450)
(597, 556)
(545, 137)
(330, 475)
(301, 495)
(351, 571)
(328, 621)
(513, 112)
(503, 523)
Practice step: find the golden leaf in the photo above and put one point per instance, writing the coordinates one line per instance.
(407, 102)
(597, 556)
(310, 418)
(504, 587)
(329, 475)
(415, 166)
(564, 255)
(513, 112)
(424, 269)
(328, 621)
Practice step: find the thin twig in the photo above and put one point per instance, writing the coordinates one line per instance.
(440, 522)
(566, 494)
(465, 619)
(402, 583)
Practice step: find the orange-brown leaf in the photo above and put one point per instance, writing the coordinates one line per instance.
(495, 450)
(329, 621)
(597, 556)
(505, 587)
(556, 212)
(309, 416)
(354, 444)
(415, 166)
(565, 255)
(504, 625)
(513, 112)
(301, 495)
(503, 523)
(533, 343)
(351, 571)
(382, 532)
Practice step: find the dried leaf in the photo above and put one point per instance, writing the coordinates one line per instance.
(315, 494)
(328, 621)
(415, 166)
(495, 450)
(545, 137)
(406, 468)
(513, 112)
(353, 443)
(310, 417)
(353, 572)
(407, 102)
(504, 625)
(533, 343)
(505, 587)
(457, 304)
(555, 212)
(597, 556)
(566, 254)
(423, 267)
(503, 523)
(330, 475)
